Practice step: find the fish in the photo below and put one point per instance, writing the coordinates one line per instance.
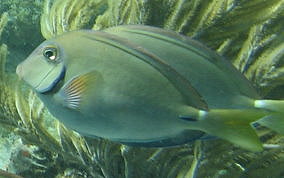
(147, 86)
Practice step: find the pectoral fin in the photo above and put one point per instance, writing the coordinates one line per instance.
(233, 125)
(77, 89)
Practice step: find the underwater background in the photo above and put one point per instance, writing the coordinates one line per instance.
(249, 33)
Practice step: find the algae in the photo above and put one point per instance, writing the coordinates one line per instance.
(249, 33)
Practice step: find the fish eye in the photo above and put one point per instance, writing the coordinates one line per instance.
(50, 53)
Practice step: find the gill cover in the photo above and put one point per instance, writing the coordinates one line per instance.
(44, 68)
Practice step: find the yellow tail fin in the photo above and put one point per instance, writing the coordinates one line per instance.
(233, 125)
(275, 120)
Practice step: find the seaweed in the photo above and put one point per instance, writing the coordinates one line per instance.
(61, 16)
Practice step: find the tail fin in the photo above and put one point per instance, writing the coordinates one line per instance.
(233, 125)
(274, 121)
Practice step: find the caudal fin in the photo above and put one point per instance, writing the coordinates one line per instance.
(275, 120)
(233, 125)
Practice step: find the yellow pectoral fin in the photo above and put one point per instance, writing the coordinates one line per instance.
(233, 125)
(77, 89)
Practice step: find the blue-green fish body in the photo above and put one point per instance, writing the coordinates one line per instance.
(144, 86)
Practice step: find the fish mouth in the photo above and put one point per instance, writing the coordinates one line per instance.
(43, 89)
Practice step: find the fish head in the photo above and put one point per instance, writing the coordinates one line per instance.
(44, 67)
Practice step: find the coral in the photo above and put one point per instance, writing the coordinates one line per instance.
(23, 19)
(22, 33)
(248, 33)
(3, 22)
